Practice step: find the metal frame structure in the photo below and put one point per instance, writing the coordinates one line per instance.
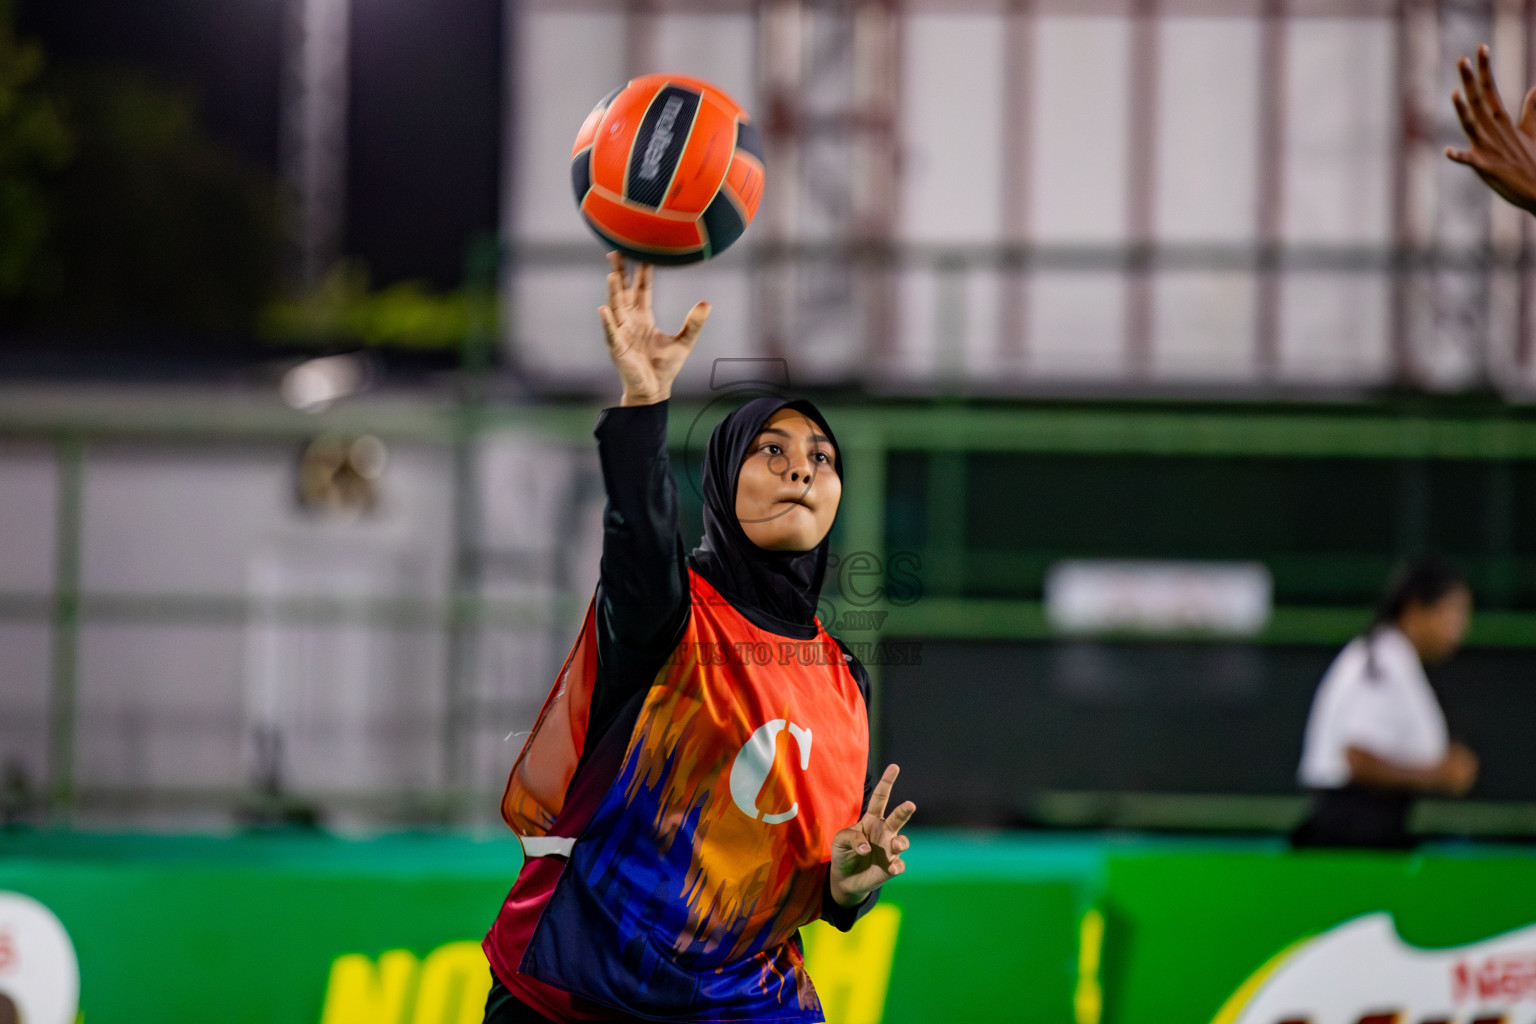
(831, 77)
(1461, 314)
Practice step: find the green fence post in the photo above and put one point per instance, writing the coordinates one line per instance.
(66, 628)
(464, 615)
(862, 515)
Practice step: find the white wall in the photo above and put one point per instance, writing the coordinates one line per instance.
(174, 678)
(28, 496)
(1336, 185)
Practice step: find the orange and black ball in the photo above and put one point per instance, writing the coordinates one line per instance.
(668, 170)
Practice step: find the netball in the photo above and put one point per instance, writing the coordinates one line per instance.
(668, 170)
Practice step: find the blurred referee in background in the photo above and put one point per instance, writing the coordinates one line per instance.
(1376, 736)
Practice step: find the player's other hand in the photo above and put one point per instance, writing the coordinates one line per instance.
(648, 360)
(1502, 151)
(868, 855)
(1459, 770)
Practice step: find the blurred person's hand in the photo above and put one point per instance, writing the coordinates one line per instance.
(1453, 775)
(648, 360)
(1502, 151)
(1459, 770)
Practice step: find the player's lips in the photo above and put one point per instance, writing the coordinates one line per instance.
(796, 501)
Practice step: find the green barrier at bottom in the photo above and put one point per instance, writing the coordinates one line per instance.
(318, 930)
(272, 930)
(1351, 938)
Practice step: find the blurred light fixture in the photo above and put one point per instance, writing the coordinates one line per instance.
(312, 386)
(1092, 596)
(341, 474)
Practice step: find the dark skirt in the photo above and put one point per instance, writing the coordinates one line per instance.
(1356, 816)
(502, 1007)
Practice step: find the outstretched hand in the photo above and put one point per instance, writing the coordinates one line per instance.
(647, 359)
(868, 855)
(1502, 151)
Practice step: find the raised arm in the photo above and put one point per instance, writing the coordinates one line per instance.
(642, 596)
(1502, 151)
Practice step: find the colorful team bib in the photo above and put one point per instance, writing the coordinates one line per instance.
(685, 886)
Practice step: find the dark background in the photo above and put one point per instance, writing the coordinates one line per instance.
(426, 83)
(426, 105)
(1153, 718)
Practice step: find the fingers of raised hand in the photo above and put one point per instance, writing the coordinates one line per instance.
(616, 296)
(847, 839)
(1468, 76)
(1477, 109)
(1481, 132)
(882, 790)
(1468, 122)
(693, 324)
(895, 846)
(900, 816)
(1473, 158)
(1488, 87)
(642, 295)
(1527, 123)
(1471, 98)
(610, 326)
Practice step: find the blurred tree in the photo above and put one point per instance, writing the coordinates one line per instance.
(33, 142)
(406, 315)
(153, 224)
(120, 217)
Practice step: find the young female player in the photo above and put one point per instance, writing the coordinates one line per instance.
(1376, 736)
(695, 788)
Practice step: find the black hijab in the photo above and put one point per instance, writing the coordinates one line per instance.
(776, 590)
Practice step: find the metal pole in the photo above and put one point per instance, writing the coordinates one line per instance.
(66, 628)
(1525, 339)
(464, 631)
(315, 94)
(1271, 186)
(863, 520)
(1017, 157)
(1141, 185)
(641, 23)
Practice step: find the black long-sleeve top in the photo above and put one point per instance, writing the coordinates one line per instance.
(643, 599)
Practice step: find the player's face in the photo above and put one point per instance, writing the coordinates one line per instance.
(788, 488)
(1443, 624)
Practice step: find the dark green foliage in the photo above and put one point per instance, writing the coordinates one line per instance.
(33, 143)
(153, 225)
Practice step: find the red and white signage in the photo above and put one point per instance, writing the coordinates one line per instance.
(1362, 972)
(39, 974)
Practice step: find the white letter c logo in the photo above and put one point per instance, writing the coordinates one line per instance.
(755, 760)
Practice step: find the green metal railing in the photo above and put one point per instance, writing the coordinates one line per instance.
(869, 433)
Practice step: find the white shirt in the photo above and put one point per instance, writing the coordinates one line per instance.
(1391, 713)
